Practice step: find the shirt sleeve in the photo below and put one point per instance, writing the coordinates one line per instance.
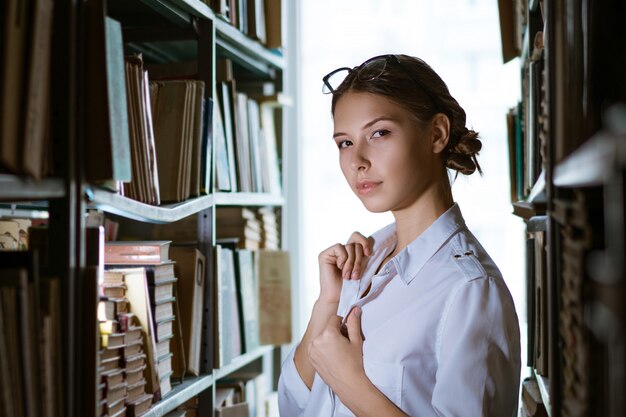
(293, 394)
(478, 352)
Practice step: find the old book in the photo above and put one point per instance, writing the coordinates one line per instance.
(135, 375)
(162, 292)
(19, 283)
(144, 186)
(136, 390)
(135, 362)
(164, 309)
(114, 377)
(256, 20)
(117, 392)
(223, 179)
(247, 298)
(139, 406)
(164, 329)
(269, 144)
(37, 100)
(226, 99)
(274, 297)
(242, 140)
(274, 23)
(138, 295)
(136, 252)
(108, 150)
(114, 290)
(191, 270)
(14, 49)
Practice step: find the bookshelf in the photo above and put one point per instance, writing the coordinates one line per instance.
(164, 32)
(569, 127)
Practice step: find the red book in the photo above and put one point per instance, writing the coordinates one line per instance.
(137, 252)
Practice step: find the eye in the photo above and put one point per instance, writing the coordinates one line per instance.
(380, 133)
(343, 144)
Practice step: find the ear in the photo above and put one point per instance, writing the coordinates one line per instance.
(440, 132)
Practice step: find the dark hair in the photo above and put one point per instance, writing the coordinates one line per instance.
(414, 85)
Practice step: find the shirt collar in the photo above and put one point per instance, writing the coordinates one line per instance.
(411, 259)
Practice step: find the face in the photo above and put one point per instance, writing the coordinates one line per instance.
(386, 158)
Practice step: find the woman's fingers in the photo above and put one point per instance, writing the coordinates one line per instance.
(349, 264)
(358, 261)
(367, 243)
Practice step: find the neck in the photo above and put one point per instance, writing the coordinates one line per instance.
(412, 220)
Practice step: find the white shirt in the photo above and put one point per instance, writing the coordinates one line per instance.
(441, 332)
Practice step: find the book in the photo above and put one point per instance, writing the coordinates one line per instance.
(274, 23)
(37, 100)
(177, 105)
(136, 252)
(274, 297)
(139, 298)
(191, 270)
(19, 287)
(222, 161)
(247, 298)
(144, 185)
(14, 39)
(227, 331)
(108, 150)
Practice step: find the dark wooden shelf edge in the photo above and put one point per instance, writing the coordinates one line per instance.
(126, 207)
(544, 390)
(241, 361)
(248, 199)
(15, 189)
(179, 395)
(229, 34)
(195, 7)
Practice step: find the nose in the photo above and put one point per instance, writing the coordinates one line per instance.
(360, 160)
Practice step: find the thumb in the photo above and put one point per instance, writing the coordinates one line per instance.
(354, 326)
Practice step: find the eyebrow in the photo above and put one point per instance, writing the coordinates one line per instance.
(368, 124)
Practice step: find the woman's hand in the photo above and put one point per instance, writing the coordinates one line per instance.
(338, 359)
(342, 262)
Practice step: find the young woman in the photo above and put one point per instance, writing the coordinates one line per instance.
(415, 320)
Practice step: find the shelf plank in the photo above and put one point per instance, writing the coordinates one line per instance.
(593, 163)
(180, 11)
(13, 189)
(248, 199)
(544, 390)
(179, 395)
(248, 51)
(194, 386)
(241, 361)
(126, 207)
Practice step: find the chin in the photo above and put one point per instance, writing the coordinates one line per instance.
(374, 206)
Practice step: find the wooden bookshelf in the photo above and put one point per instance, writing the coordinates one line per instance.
(165, 32)
(572, 112)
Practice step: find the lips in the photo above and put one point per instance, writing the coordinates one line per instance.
(366, 187)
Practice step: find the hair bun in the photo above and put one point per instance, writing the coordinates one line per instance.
(469, 144)
(461, 163)
(462, 155)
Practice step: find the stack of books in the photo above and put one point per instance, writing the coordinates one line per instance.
(150, 282)
(252, 229)
(270, 228)
(123, 358)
